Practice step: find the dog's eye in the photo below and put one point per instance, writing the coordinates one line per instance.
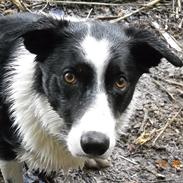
(121, 83)
(70, 78)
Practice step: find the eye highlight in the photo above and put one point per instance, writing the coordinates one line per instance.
(121, 83)
(70, 78)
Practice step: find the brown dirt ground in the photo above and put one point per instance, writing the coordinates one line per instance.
(146, 163)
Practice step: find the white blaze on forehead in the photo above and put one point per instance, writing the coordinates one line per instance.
(96, 52)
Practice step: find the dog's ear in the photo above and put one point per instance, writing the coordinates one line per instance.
(39, 41)
(148, 50)
(43, 35)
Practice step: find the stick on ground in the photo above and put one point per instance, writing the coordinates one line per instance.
(166, 125)
(83, 3)
(158, 175)
(168, 81)
(169, 38)
(148, 5)
(18, 4)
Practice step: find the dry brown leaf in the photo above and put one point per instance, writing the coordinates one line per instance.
(177, 164)
(145, 137)
(162, 164)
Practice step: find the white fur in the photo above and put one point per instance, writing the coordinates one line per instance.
(38, 124)
(97, 53)
(12, 171)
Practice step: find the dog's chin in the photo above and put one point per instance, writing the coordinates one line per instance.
(95, 162)
(91, 156)
(87, 156)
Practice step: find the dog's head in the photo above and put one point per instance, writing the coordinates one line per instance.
(88, 72)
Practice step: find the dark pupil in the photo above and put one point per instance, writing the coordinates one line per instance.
(69, 77)
(121, 82)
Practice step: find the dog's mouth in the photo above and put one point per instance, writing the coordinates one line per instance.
(86, 156)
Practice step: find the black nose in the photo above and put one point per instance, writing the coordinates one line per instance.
(94, 143)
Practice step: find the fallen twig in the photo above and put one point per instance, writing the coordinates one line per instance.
(145, 137)
(177, 7)
(83, 3)
(44, 6)
(169, 38)
(145, 6)
(107, 17)
(89, 13)
(164, 89)
(142, 127)
(158, 175)
(168, 81)
(180, 24)
(26, 8)
(18, 4)
(127, 159)
(166, 125)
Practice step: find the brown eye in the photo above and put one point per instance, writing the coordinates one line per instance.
(120, 83)
(70, 78)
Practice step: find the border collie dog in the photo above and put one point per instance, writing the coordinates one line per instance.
(66, 88)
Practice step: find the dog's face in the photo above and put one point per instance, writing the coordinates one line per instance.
(88, 72)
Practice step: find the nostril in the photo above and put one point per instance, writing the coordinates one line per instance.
(94, 143)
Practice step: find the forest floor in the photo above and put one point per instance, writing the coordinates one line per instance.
(151, 151)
